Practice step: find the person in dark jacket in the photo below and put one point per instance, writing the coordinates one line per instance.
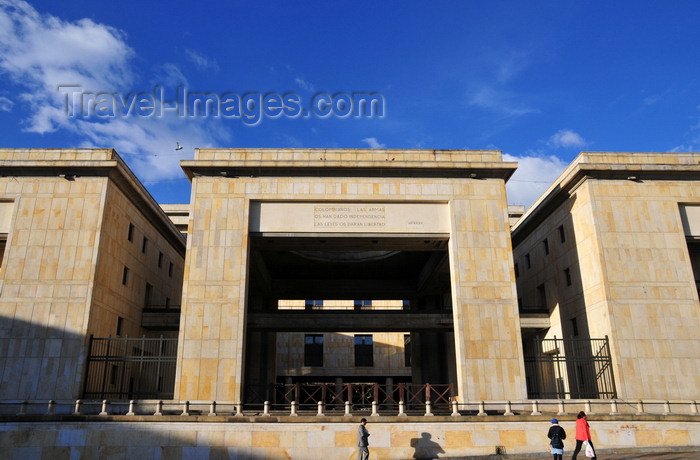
(362, 442)
(557, 435)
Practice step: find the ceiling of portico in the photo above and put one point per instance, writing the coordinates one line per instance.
(348, 267)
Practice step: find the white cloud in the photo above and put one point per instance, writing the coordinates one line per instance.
(303, 84)
(40, 52)
(373, 143)
(533, 176)
(566, 138)
(202, 62)
(498, 101)
(6, 104)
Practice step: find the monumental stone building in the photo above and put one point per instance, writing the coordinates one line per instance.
(348, 266)
(611, 250)
(85, 252)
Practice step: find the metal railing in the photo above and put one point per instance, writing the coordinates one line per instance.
(360, 396)
(130, 368)
(569, 368)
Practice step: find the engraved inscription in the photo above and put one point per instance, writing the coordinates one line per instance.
(347, 216)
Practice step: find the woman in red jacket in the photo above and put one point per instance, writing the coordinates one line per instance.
(583, 433)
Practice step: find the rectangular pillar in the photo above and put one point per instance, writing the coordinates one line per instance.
(488, 342)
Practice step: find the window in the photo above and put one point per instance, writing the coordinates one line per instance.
(160, 259)
(517, 272)
(3, 244)
(545, 243)
(562, 235)
(527, 260)
(407, 350)
(314, 304)
(148, 297)
(543, 296)
(313, 350)
(125, 276)
(170, 270)
(364, 351)
(567, 275)
(363, 305)
(574, 326)
(130, 233)
(144, 245)
(120, 325)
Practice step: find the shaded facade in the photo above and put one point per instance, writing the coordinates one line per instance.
(85, 250)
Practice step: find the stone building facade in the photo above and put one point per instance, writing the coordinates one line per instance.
(476, 289)
(85, 250)
(610, 250)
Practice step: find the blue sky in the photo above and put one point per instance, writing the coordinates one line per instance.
(539, 80)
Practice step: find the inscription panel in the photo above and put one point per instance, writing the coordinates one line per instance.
(349, 217)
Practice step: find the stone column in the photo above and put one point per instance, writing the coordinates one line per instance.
(488, 346)
(212, 324)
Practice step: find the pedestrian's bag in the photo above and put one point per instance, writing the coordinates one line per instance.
(589, 449)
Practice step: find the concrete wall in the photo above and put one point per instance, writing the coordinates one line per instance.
(308, 438)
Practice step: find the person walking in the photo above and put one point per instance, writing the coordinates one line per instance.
(557, 436)
(362, 441)
(583, 433)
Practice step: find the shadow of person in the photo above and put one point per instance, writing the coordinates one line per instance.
(425, 448)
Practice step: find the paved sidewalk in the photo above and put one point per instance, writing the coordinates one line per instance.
(626, 454)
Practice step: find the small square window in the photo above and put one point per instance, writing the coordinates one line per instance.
(120, 325)
(574, 327)
(170, 270)
(125, 276)
(527, 261)
(130, 233)
(562, 235)
(160, 259)
(144, 245)
(567, 275)
(545, 244)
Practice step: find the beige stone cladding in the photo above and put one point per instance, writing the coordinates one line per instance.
(338, 351)
(57, 283)
(489, 352)
(624, 270)
(129, 239)
(309, 438)
(339, 358)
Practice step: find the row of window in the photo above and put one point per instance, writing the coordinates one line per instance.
(364, 350)
(545, 246)
(148, 295)
(541, 293)
(144, 249)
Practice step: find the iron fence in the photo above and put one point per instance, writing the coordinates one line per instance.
(130, 368)
(569, 368)
(361, 396)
